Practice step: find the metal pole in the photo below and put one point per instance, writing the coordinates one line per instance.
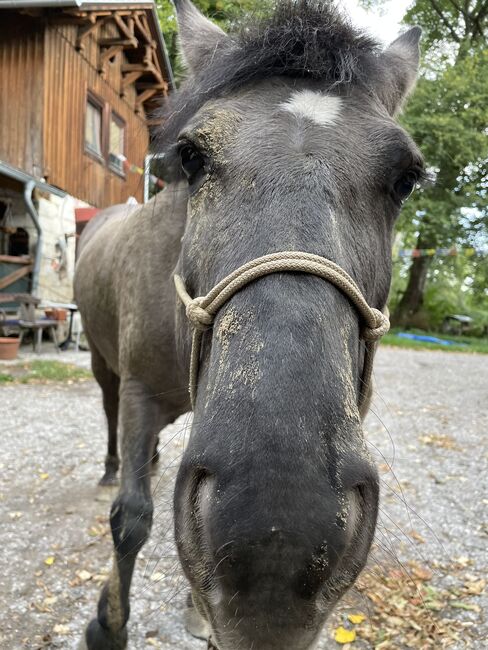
(28, 189)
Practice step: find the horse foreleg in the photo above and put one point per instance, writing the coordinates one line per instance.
(111, 406)
(109, 383)
(130, 516)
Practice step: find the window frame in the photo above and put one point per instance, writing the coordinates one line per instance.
(98, 103)
(121, 123)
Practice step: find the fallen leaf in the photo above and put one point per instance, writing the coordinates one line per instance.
(43, 476)
(421, 572)
(61, 629)
(83, 575)
(50, 560)
(343, 636)
(356, 619)
(475, 587)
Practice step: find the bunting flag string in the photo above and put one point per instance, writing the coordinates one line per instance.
(135, 169)
(437, 252)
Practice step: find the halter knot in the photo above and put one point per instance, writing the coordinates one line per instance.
(381, 327)
(198, 317)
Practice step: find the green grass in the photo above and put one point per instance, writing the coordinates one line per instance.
(43, 371)
(471, 344)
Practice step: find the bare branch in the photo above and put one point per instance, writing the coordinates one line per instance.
(479, 14)
(438, 11)
(464, 11)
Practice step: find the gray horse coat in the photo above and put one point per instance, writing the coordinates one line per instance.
(283, 138)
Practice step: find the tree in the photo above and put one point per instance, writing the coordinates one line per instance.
(448, 118)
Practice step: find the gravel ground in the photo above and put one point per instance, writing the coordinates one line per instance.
(427, 433)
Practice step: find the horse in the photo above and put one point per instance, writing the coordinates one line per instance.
(286, 171)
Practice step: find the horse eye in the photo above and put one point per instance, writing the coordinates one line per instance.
(192, 162)
(406, 185)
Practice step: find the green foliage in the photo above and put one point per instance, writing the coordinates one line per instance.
(457, 285)
(460, 24)
(448, 118)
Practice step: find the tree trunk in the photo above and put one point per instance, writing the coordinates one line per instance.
(413, 297)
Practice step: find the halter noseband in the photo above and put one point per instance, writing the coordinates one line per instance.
(201, 311)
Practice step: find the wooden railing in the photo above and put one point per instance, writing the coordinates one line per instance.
(26, 267)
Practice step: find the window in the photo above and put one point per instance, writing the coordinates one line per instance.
(105, 134)
(116, 143)
(93, 127)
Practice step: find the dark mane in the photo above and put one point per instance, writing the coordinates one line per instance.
(298, 39)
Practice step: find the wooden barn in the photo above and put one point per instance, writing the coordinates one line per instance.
(79, 83)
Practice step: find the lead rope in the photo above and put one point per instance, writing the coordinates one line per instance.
(201, 311)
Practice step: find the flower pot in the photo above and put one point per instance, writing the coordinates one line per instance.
(9, 348)
(56, 314)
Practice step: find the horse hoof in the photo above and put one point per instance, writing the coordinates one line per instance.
(109, 479)
(97, 637)
(195, 624)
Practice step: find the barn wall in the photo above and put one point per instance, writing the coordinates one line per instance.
(69, 75)
(21, 91)
(57, 220)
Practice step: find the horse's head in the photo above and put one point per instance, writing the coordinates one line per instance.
(285, 137)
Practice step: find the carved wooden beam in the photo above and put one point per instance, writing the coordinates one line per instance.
(92, 15)
(84, 32)
(143, 97)
(147, 68)
(131, 77)
(148, 53)
(143, 28)
(132, 67)
(126, 29)
(107, 54)
(9, 279)
(143, 85)
(122, 42)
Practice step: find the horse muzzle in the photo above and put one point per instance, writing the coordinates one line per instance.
(268, 566)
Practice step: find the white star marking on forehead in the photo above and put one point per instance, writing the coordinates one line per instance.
(322, 109)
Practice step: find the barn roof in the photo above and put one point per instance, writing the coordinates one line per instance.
(99, 5)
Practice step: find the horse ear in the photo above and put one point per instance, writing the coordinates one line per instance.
(199, 37)
(399, 69)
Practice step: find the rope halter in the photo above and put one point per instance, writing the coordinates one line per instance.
(201, 311)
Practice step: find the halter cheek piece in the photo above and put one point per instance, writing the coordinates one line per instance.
(201, 311)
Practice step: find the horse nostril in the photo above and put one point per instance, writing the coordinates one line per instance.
(193, 501)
